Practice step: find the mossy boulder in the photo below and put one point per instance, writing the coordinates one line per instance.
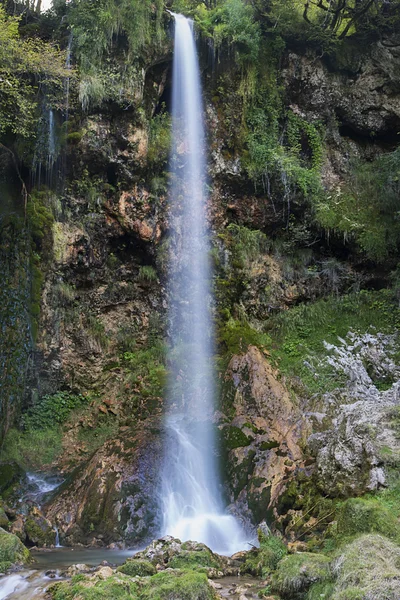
(138, 567)
(12, 550)
(366, 515)
(167, 585)
(10, 474)
(80, 587)
(296, 573)
(261, 561)
(39, 530)
(183, 585)
(172, 553)
(4, 521)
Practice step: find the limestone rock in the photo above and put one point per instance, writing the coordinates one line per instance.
(353, 452)
(263, 437)
(112, 495)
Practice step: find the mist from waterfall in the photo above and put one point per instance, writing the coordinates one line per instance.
(192, 503)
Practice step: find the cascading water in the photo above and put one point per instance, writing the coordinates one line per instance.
(191, 500)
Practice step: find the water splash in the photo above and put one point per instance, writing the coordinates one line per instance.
(191, 499)
(57, 544)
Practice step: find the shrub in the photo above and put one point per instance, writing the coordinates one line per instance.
(52, 409)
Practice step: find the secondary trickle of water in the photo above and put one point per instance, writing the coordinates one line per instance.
(192, 502)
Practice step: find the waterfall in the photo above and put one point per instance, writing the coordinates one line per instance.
(192, 503)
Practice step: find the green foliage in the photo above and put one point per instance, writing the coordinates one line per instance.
(245, 244)
(194, 559)
(366, 515)
(159, 139)
(34, 449)
(233, 437)
(231, 23)
(39, 216)
(96, 329)
(148, 273)
(300, 332)
(128, 29)
(52, 409)
(235, 337)
(185, 585)
(366, 208)
(95, 437)
(25, 65)
(265, 559)
(367, 568)
(114, 588)
(324, 23)
(293, 164)
(146, 367)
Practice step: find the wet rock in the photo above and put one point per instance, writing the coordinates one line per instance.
(262, 440)
(12, 551)
(112, 495)
(39, 530)
(366, 101)
(103, 573)
(4, 521)
(76, 569)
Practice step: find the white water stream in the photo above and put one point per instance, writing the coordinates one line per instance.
(192, 503)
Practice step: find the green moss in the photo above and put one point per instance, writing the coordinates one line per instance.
(138, 567)
(39, 532)
(263, 560)
(33, 449)
(366, 515)
(171, 585)
(233, 437)
(187, 585)
(12, 549)
(190, 559)
(299, 333)
(115, 588)
(297, 572)
(10, 474)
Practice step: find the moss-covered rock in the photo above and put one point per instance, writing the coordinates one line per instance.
(185, 585)
(10, 474)
(172, 553)
(12, 549)
(119, 587)
(39, 530)
(137, 567)
(261, 561)
(296, 573)
(167, 585)
(4, 521)
(366, 515)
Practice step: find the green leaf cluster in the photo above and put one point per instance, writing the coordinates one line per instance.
(25, 65)
(52, 409)
(366, 208)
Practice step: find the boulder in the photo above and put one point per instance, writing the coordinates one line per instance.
(262, 440)
(39, 531)
(12, 550)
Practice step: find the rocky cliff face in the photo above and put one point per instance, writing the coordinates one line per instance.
(103, 303)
